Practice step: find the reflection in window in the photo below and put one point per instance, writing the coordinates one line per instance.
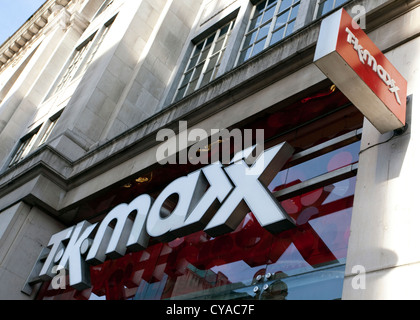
(205, 61)
(306, 262)
(325, 6)
(300, 261)
(271, 21)
(316, 167)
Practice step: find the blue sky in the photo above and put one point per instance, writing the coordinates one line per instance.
(14, 13)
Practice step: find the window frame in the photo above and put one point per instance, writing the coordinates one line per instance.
(272, 24)
(24, 147)
(334, 7)
(49, 127)
(75, 63)
(91, 46)
(191, 80)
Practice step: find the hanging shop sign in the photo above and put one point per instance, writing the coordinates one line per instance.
(347, 56)
(214, 199)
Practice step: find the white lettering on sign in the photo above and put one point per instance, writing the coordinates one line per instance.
(366, 57)
(215, 199)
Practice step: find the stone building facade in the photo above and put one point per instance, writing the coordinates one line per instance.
(87, 85)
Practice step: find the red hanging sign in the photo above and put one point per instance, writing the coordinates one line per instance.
(347, 56)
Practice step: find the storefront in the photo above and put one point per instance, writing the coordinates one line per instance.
(315, 187)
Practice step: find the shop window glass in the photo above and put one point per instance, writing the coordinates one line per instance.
(306, 262)
(316, 167)
(271, 21)
(205, 60)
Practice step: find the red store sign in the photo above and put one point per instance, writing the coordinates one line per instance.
(347, 56)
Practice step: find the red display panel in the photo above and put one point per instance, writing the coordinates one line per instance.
(350, 59)
(351, 54)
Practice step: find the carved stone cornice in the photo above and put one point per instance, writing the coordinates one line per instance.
(25, 35)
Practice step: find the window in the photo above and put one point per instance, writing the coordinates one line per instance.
(50, 127)
(83, 56)
(95, 48)
(74, 65)
(205, 61)
(325, 6)
(25, 145)
(271, 21)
